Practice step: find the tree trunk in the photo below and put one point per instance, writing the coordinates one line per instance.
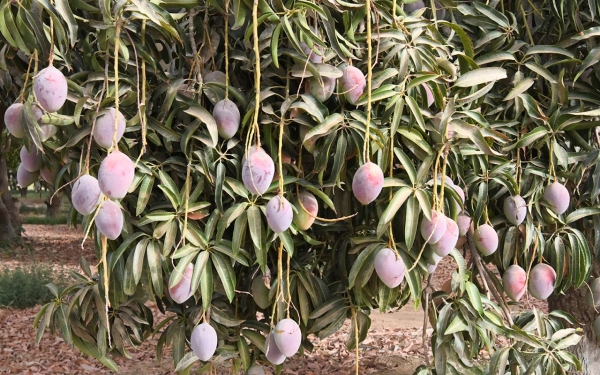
(574, 302)
(10, 220)
(53, 209)
(23, 191)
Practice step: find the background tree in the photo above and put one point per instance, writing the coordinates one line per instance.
(385, 118)
(10, 221)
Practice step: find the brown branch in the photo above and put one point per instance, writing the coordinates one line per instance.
(485, 277)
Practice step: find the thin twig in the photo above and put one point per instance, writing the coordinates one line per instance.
(426, 319)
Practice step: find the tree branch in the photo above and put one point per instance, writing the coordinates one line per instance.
(485, 277)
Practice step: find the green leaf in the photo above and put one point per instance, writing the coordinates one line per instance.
(407, 164)
(239, 14)
(220, 180)
(458, 324)
(325, 127)
(415, 111)
(474, 297)
(411, 223)
(529, 138)
(201, 262)
(548, 49)
(474, 134)
(499, 361)
(30, 124)
(144, 194)
(226, 274)
(492, 14)
(392, 208)
(327, 306)
(581, 213)
(591, 59)
(463, 36)
(138, 259)
(570, 340)
(185, 362)
(67, 14)
(207, 119)
(255, 225)
(520, 88)
(329, 26)
(479, 76)
(169, 188)
(494, 57)
(275, 44)
(154, 263)
(364, 261)
(223, 318)
(206, 284)
(541, 71)
(244, 351)
(179, 271)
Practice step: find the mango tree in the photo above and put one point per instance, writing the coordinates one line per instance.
(311, 162)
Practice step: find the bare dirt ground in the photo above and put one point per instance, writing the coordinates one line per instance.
(393, 346)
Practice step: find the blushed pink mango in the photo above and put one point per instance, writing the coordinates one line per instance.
(109, 220)
(116, 175)
(257, 172)
(86, 194)
(367, 183)
(515, 209)
(445, 245)
(12, 120)
(204, 341)
(227, 117)
(558, 196)
(389, 268)
(49, 174)
(321, 90)
(288, 337)
(215, 76)
(302, 218)
(433, 262)
(181, 291)
(464, 223)
(272, 352)
(251, 150)
(352, 83)
(541, 281)
(279, 214)
(433, 230)
(32, 161)
(315, 57)
(409, 8)
(26, 178)
(486, 239)
(104, 131)
(514, 281)
(260, 292)
(50, 88)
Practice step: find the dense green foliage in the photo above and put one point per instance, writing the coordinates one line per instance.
(514, 109)
(21, 288)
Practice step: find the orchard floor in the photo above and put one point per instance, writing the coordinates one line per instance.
(394, 345)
